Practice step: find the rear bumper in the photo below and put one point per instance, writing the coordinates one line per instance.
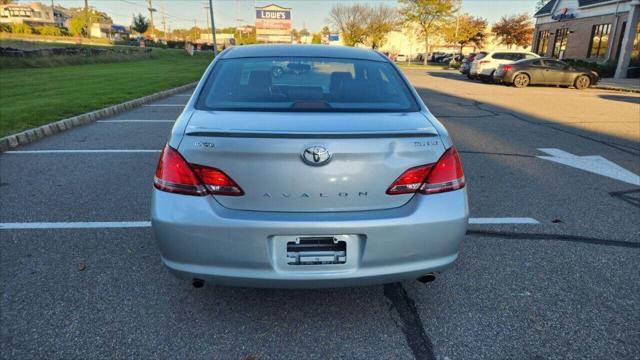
(198, 238)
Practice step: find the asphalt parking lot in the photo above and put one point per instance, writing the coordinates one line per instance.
(549, 267)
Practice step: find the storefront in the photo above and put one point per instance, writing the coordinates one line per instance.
(592, 30)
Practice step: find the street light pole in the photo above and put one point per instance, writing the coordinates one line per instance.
(213, 29)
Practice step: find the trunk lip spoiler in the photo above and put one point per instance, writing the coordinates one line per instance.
(313, 135)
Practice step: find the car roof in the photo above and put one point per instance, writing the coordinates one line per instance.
(511, 52)
(282, 50)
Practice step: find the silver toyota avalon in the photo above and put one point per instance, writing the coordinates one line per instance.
(307, 166)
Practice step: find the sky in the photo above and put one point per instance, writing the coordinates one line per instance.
(311, 14)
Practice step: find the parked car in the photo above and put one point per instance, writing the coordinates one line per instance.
(401, 58)
(466, 62)
(545, 71)
(484, 67)
(310, 179)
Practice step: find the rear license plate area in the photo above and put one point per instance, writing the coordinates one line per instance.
(316, 250)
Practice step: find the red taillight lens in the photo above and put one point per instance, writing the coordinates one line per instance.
(445, 175)
(175, 175)
(410, 181)
(506, 68)
(217, 182)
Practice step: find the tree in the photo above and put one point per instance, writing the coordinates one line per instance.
(140, 24)
(540, 4)
(325, 31)
(513, 30)
(427, 16)
(317, 38)
(380, 21)
(350, 21)
(304, 32)
(5, 2)
(295, 36)
(77, 26)
(363, 24)
(466, 30)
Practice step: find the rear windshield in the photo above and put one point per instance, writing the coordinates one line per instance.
(305, 84)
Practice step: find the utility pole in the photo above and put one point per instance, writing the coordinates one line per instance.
(213, 29)
(151, 10)
(195, 30)
(86, 17)
(164, 22)
(206, 15)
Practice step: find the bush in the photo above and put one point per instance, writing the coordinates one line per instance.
(605, 69)
(21, 29)
(5, 28)
(48, 30)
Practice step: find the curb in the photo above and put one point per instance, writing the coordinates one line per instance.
(614, 88)
(43, 131)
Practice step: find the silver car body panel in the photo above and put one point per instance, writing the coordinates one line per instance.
(238, 240)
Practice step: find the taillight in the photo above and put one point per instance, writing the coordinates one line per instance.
(410, 181)
(484, 62)
(506, 68)
(444, 175)
(175, 175)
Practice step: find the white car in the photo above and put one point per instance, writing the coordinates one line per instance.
(483, 67)
(401, 58)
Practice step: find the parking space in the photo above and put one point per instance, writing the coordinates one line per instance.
(562, 284)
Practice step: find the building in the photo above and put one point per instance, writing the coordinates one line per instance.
(109, 31)
(405, 42)
(34, 14)
(592, 30)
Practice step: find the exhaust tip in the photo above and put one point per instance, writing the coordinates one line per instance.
(197, 283)
(427, 278)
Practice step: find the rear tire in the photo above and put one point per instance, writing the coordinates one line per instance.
(582, 82)
(521, 80)
(489, 79)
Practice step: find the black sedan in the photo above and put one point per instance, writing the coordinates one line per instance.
(544, 71)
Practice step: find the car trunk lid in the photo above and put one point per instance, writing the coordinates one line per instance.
(368, 151)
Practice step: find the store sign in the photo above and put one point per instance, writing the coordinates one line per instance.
(273, 14)
(563, 14)
(273, 24)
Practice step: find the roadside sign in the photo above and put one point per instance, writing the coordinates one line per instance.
(273, 24)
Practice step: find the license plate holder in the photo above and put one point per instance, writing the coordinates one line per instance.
(316, 250)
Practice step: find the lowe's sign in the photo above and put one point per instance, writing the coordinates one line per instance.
(273, 14)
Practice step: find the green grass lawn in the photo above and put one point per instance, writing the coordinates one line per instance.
(33, 97)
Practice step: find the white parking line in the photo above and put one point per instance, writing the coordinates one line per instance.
(80, 151)
(75, 225)
(135, 121)
(505, 220)
(181, 105)
(138, 224)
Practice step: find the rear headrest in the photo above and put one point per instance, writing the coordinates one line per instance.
(260, 79)
(337, 79)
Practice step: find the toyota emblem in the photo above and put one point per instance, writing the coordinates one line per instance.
(316, 156)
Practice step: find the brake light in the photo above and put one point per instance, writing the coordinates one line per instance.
(444, 175)
(506, 68)
(175, 175)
